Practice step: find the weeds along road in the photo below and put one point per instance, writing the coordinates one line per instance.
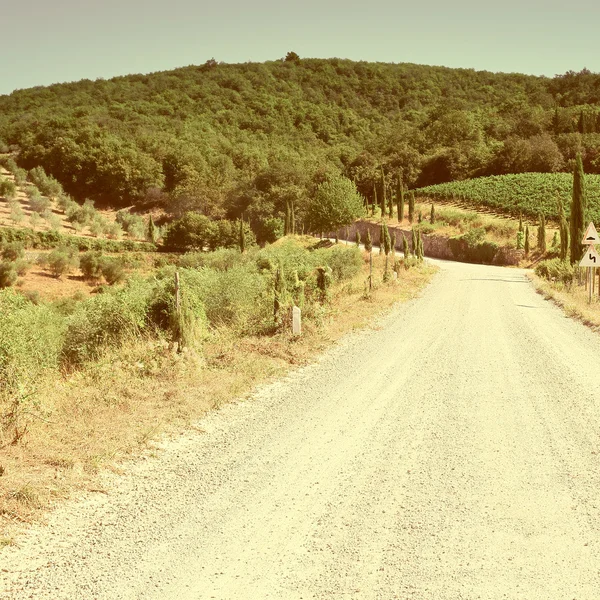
(453, 452)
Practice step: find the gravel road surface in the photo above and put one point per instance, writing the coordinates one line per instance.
(451, 452)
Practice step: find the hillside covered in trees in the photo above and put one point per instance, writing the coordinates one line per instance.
(233, 139)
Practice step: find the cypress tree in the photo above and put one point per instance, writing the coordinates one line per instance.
(357, 238)
(383, 193)
(520, 223)
(400, 199)
(152, 232)
(420, 217)
(526, 240)
(393, 242)
(387, 240)
(413, 242)
(368, 242)
(286, 222)
(563, 228)
(432, 215)
(405, 249)
(381, 238)
(292, 219)
(374, 199)
(578, 206)
(421, 253)
(242, 237)
(542, 234)
(411, 207)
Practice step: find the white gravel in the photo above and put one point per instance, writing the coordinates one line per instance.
(452, 453)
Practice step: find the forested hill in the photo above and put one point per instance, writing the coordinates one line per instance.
(222, 138)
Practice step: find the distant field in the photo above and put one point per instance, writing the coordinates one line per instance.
(526, 193)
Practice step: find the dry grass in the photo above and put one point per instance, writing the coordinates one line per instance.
(95, 418)
(573, 300)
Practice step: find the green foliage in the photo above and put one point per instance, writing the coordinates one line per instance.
(520, 240)
(556, 270)
(526, 240)
(411, 207)
(336, 203)
(357, 238)
(472, 247)
(432, 215)
(113, 270)
(387, 242)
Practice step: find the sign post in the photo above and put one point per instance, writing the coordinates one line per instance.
(590, 259)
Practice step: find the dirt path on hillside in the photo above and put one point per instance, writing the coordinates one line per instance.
(451, 453)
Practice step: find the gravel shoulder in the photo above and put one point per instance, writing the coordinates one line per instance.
(451, 452)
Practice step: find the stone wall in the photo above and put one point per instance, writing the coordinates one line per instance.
(435, 246)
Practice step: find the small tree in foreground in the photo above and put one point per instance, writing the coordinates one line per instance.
(577, 211)
(336, 204)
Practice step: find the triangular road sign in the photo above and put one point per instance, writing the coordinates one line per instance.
(590, 258)
(591, 235)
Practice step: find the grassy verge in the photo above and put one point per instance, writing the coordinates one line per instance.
(114, 407)
(573, 300)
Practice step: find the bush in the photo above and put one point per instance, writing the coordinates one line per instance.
(47, 184)
(106, 319)
(12, 251)
(31, 338)
(8, 274)
(90, 264)
(38, 203)
(62, 260)
(472, 247)
(556, 270)
(113, 270)
(344, 262)
(8, 189)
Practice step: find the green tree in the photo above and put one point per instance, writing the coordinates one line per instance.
(563, 229)
(400, 199)
(336, 203)
(578, 207)
(432, 215)
(405, 249)
(151, 232)
(411, 207)
(368, 242)
(542, 234)
(242, 237)
(357, 238)
(526, 240)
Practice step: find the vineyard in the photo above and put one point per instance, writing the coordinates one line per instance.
(525, 193)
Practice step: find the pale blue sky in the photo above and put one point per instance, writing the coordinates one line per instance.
(46, 41)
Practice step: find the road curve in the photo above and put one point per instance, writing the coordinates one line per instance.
(452, 452)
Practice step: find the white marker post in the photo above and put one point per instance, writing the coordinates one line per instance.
(590, 259)
(296, 321)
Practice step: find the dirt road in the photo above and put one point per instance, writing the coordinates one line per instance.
(451, 453)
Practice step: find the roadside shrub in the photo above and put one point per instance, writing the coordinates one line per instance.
(62, 261)
(106, 319)
(344, 262)
(269, 230)
(472, 247)
(556, 270)
(31, 337)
